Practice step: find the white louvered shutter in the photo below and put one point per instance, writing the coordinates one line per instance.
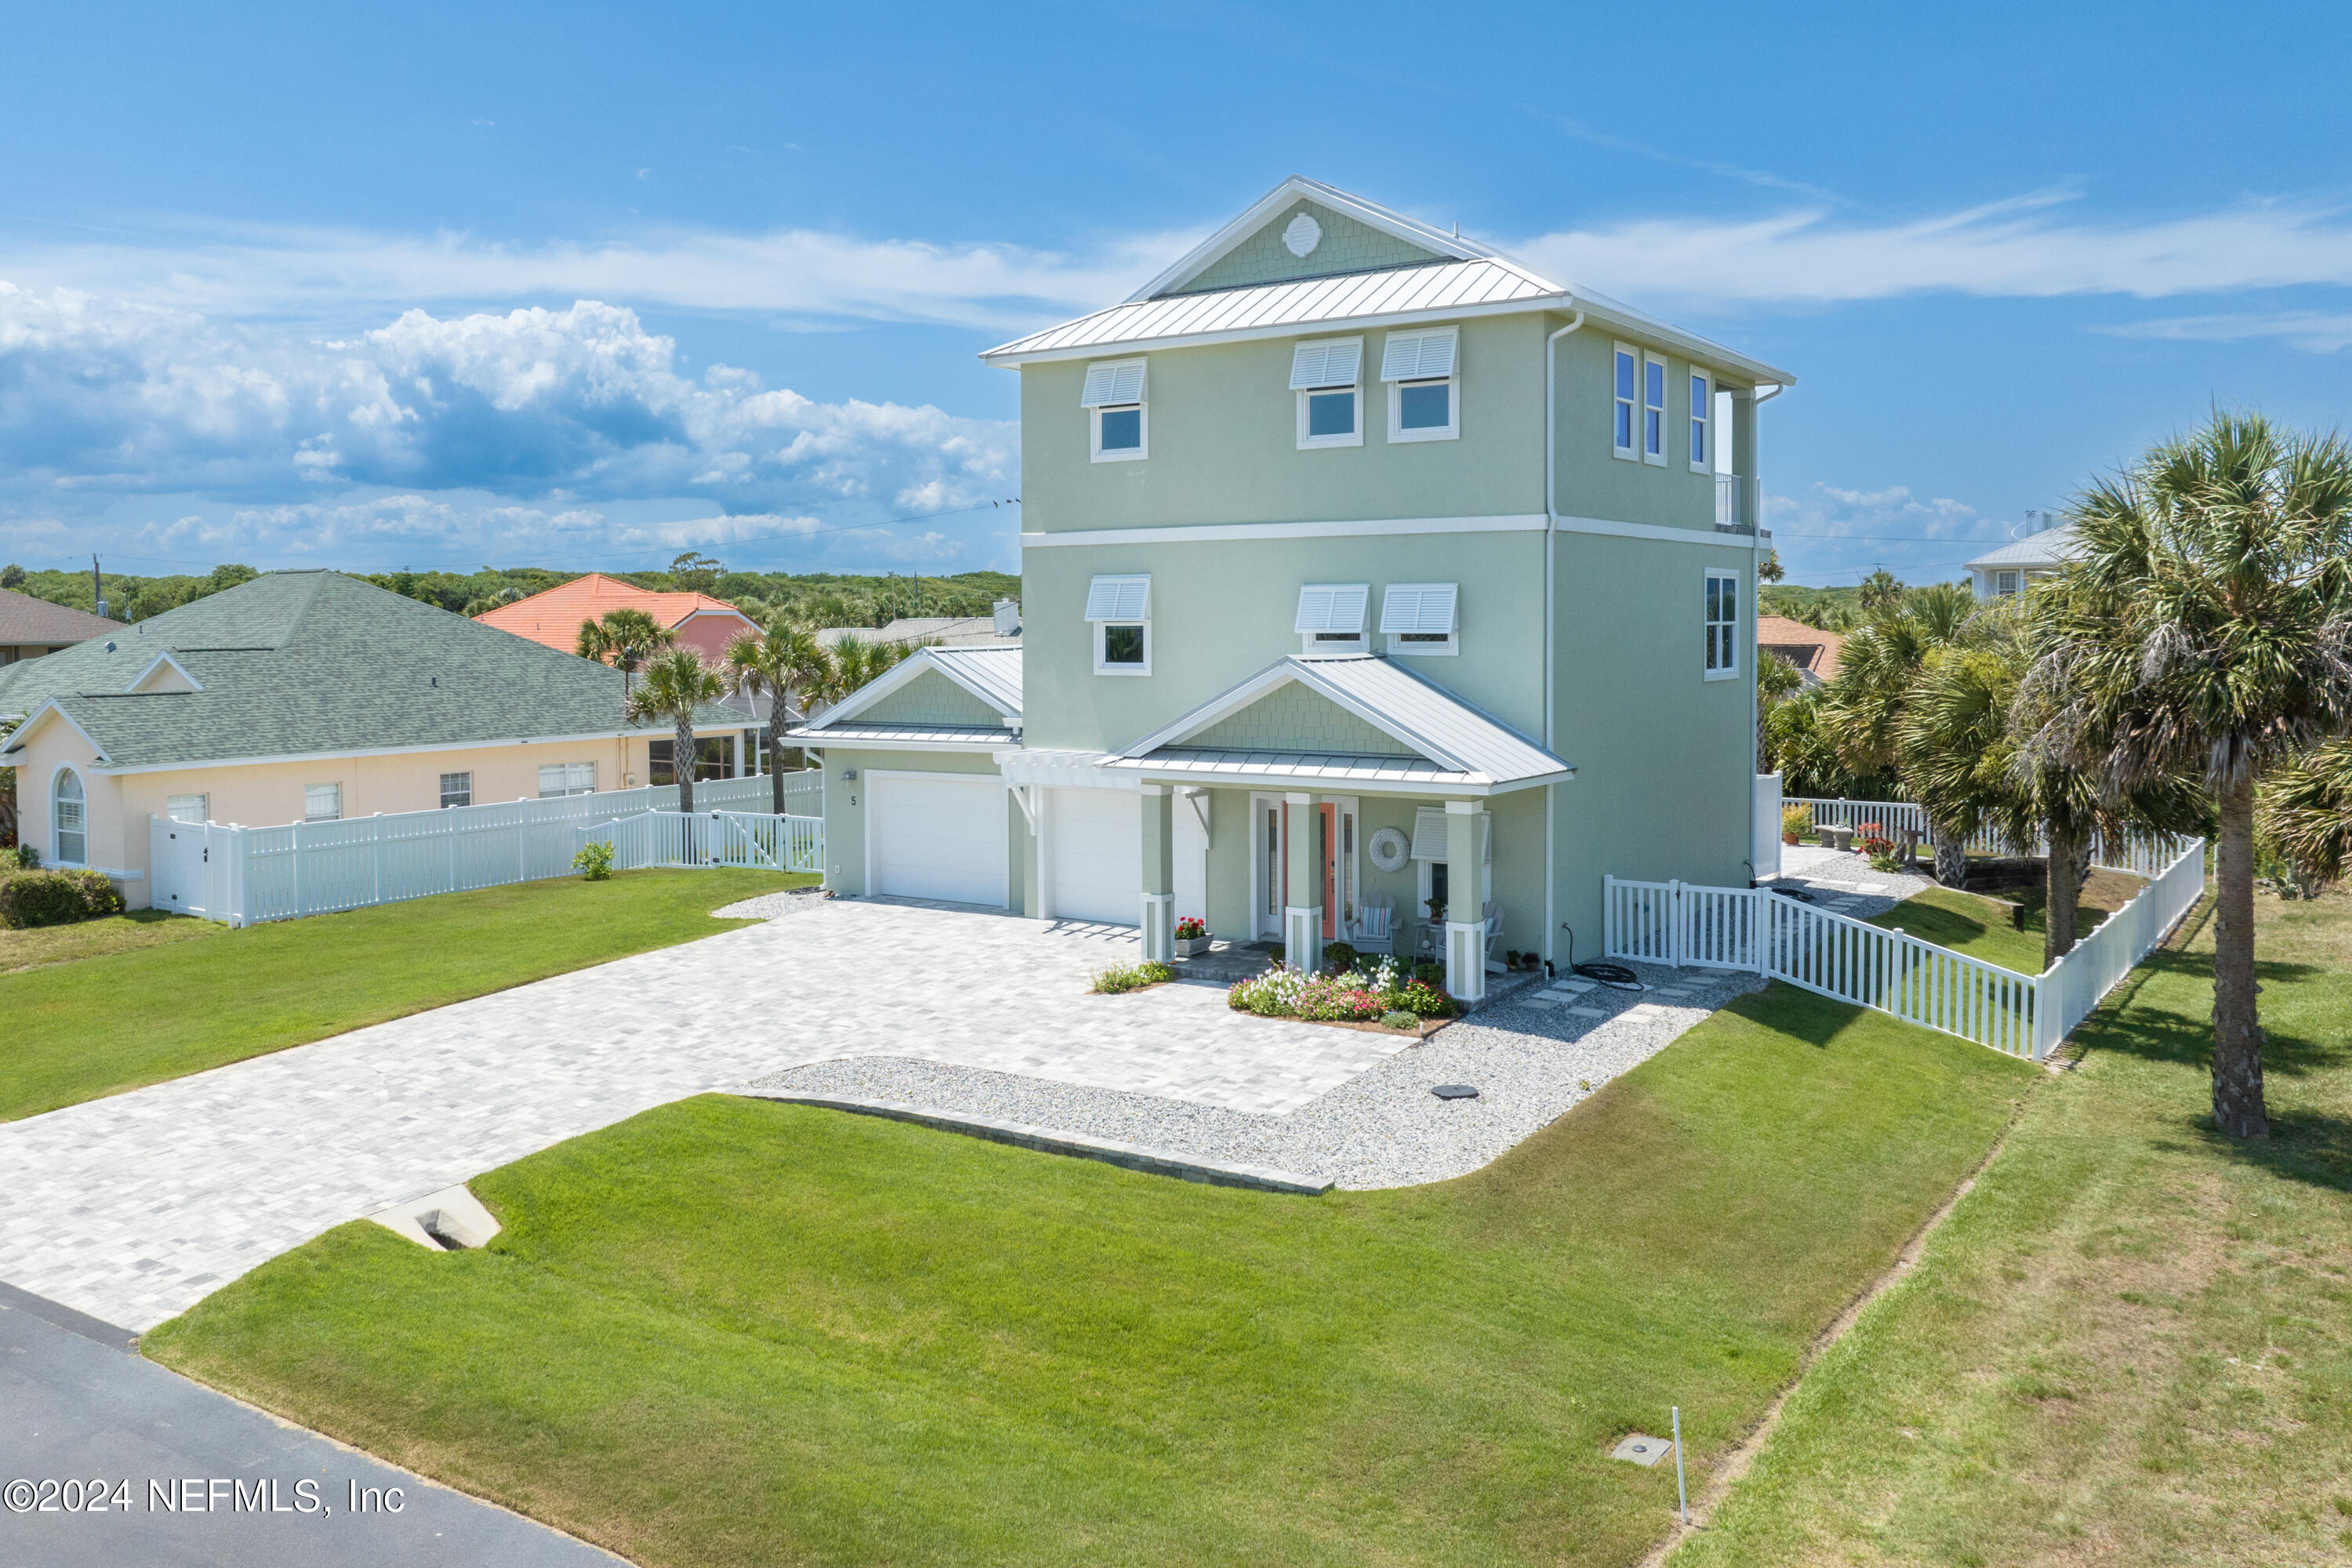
(1337, 607)
(1419, 356)
(1426, 607)
(1120, 598)
(1111, 382)
(1334, 362)
(1429, 834)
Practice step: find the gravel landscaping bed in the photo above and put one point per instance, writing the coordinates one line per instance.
(1531, 1057)
(1844, 881)
(772, 906)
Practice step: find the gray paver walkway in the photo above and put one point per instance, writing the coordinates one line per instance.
(135, 1208)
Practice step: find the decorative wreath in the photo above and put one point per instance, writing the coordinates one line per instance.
(1389, 849)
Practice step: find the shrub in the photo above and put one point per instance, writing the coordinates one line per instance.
(1273, 951)
(1796, 819)
(1426, 1001)
(19, 856)
(1124, 977)
(1338, 957)
(1192, 928)
(595, 861)
(55, 898)
(1401, 1019)
(1429, 974)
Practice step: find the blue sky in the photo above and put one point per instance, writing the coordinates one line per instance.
(583, 285)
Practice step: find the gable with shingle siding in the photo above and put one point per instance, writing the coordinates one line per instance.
(1290, 718)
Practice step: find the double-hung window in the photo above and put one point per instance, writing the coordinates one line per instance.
(1625, 388)
(1331, 617)
(1420, 617)
(1324, 376)
(1702, 415)
(1654, 409)
(1722, 625)
(1422, 373)
(556, 780)
(2004, 583)
(456, 789)
(322, 802)
(1119, 607)
(1114, 401)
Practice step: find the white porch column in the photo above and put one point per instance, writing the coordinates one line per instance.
(1159, 873)
(1465, 925)
(1302, 923)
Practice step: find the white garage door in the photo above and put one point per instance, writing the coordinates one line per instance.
(937, 838)
(1098, 852)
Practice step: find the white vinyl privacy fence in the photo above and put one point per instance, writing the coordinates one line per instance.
(1680, 923)
(748, 840)
(2143, 855)
(244, 876)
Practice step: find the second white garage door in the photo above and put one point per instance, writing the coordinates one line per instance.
(1098, 855)
(938, 838)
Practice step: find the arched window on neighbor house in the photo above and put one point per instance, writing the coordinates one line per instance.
(70, 835)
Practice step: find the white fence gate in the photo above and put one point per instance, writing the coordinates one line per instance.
(745, 840)
(246, 875)
(1681, 923)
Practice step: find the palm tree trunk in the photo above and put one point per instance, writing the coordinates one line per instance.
(776, 746)
(1951, 855)
(2238, 1108)
(682, 766)
(2062, 890)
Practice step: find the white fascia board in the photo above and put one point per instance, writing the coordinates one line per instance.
(164, 658)
(1633, 323)
(866, 743)
(1223, 532)
(1659, 531)
(196, 763)
(1386, 724)
(1215, 249)
(1222, 706)
(1337, 326)
(1325, 783)
(49, 705)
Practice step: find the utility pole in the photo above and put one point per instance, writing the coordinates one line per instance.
(97, 586)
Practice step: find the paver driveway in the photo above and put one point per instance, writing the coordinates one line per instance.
(135, 1208)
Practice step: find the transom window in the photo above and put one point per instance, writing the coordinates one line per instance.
(1331, 617)
(456, 789)
(69, 834)
(1702, 410)
(1325, 375)
(1418, 618)
(1113, 398)
(1420, 369)
(1625, 386)
(1119, 606)
(1722, 625)
(1654, 409)
(556, 780)
(322, 802)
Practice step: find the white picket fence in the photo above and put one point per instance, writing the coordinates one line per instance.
(2143, 855)
(244, 875)
(1681, 923)
(752, 840)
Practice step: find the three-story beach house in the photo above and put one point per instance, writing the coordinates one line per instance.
(1374, 586)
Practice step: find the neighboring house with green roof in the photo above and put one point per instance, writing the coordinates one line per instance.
(307, 695)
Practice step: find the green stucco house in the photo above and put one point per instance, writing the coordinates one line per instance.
(1362, 568)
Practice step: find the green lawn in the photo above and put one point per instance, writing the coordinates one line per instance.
(2132, 1342)
(734, 1331)
(1981, 927)
(103, 1023)
(92, 939)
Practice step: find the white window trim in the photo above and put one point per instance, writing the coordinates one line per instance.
(1315, 443)
(1328, 641)
(564, 773)
(336, 787)
(56, 856)
(203, 808)
(2006, 584)
(1143, 447)
(442, 790)
(1101, 668)
(1705, 462)
(1396, 641)
(1665, 406)
(1739, 581)
(1449, 431)
(1631, 449)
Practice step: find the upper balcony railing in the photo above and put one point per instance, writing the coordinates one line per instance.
(1731, 509)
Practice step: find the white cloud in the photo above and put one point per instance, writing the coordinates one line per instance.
(1829, 535)
(2320, 332)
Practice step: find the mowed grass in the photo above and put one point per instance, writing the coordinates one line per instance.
(735, 1332)
(74, 1031)
(2132, 1341)
(1979, 927)
(93, 938)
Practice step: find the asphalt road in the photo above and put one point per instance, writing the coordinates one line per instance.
(148, 1467)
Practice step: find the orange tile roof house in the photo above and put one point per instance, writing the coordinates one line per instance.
(1813, 652)
(702, 623)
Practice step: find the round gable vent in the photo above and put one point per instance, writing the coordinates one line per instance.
(1302, 235)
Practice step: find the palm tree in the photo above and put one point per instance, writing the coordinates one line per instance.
(784, 665)
(624, 639)
(678, 685)
(2206, 628)
(1878, 668)
(2304, 816)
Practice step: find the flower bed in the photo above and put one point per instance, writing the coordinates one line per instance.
(1370, 994)
(1121, 978)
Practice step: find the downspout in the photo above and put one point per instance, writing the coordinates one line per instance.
(1551, 531)
(1755, 608)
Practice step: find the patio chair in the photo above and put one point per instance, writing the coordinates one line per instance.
(1375, 930)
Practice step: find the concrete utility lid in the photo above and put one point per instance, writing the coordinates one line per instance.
(1454, 1091)
(1639, 1449)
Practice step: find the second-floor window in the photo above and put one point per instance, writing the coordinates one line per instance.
(1654, 409)
(1420, 619)
(1702, 411)
(1114, 401)
(1331, 617)
(1421, 371)
(1722, 625)
(1324, 376)
(1625, 387)
(1119, 606)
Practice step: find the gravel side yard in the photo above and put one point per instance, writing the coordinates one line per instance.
(1530, 1058)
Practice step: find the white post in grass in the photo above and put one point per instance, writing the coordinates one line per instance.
(1681, 1493)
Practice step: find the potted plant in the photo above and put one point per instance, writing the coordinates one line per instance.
(1796, 821)
(1192, 936)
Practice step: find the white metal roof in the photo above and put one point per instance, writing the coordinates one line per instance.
(2051, 547)
(1462, 747)
(901, 735)
(990, 674)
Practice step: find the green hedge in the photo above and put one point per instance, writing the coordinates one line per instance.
(55, 898)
